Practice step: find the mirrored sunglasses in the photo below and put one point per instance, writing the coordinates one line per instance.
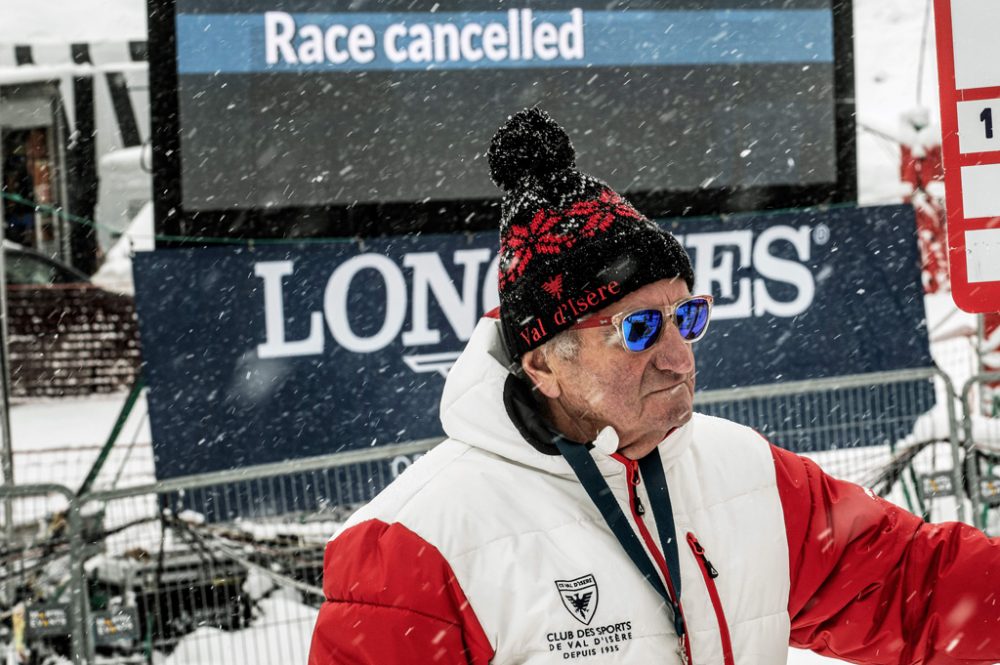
(640, 329)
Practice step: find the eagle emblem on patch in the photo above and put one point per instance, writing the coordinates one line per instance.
(579, 597)
(554, 286)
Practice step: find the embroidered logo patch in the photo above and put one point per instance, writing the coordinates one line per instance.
(579, 597)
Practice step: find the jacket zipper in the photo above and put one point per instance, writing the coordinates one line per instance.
(635, 504)
(634, 481)
(709, 573)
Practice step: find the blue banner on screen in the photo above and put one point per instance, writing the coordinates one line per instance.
(517, 38)
(308, 103)
(265, 354)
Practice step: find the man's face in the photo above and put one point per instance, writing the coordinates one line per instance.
(642, 395)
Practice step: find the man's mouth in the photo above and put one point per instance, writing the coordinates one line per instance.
(670, 387)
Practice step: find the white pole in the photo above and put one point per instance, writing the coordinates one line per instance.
(6, 452)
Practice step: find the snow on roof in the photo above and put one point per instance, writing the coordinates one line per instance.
(71, 21)
(115, 273)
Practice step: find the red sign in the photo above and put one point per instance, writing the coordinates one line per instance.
(968, 49)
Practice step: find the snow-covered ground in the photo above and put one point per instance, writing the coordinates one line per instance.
(280, 634)
(58, 441)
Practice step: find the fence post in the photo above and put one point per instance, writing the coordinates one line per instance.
(971, 472)
(6, 446)
(83, 647)
(956, 459)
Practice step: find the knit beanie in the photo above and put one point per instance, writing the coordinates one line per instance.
(569, 244)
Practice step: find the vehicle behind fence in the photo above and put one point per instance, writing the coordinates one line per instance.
(227, 567)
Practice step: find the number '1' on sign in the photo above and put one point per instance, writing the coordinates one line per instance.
(976, 132)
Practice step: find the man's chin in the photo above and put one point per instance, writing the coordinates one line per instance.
(682, 419)
(673, 406)
(637, 450)
(640, 449)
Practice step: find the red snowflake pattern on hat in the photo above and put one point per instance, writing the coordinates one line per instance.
(522, 242)
(551, 231)
(600, 213)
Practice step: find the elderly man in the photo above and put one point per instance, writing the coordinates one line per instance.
(580, 512)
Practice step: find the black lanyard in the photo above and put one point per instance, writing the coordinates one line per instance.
(597, 488)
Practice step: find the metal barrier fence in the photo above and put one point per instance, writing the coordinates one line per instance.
(226, 567)
(129, 464)
(981, 428)
(43, 555)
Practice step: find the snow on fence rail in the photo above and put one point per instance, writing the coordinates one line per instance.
(226, 566)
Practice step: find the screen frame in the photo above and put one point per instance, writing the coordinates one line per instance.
(177, 227)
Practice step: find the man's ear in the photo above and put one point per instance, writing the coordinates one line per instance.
(536, 365)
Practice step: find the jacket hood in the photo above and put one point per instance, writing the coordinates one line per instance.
(484, 406)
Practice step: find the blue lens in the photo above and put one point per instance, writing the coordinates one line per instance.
(641, 329)
(692, 318)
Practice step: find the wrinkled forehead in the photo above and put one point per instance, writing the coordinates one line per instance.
(656, 294)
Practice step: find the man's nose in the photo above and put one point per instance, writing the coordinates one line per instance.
(671, 353)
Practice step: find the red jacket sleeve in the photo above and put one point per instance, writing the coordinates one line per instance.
(392, 598)
(872, 583)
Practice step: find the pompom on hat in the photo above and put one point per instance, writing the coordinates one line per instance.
(569, 244)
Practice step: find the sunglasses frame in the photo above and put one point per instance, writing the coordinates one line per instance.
(667, 312)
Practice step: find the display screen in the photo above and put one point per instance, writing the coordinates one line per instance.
(308, 103)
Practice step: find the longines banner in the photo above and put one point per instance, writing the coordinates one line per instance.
(265, 354)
